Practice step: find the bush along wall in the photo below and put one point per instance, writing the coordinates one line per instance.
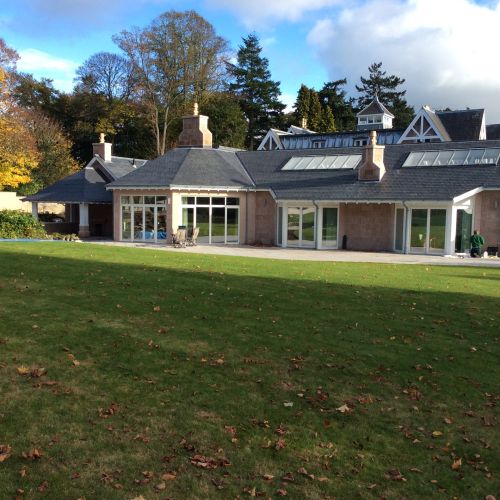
(17, 224)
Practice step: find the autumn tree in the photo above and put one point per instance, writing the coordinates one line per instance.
(18, 155)
(176, 58)
(258, 94)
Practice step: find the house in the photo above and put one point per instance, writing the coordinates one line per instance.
(422, 193)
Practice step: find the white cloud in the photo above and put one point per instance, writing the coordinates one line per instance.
(446, 49)
(289, 100)
(255, 13)
(42, 64)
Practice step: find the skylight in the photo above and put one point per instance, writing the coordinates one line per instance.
(450, 157)
(334, 162)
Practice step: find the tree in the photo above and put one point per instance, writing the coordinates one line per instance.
(257, 92)
(176, 58)
(108, 74)
(314, 117)
(227, 122)
(35, 94)
(327, 123)
(333, 96)
(387, 90)
(302, 105)
(18, 156)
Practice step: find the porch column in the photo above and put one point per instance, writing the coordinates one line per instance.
(34, 210)
(83, 230)
(450, 231)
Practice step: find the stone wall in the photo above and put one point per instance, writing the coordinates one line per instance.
(368, 226)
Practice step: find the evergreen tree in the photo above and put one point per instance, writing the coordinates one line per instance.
(314, 118)
(302, 105)
(334, 97)
(386, 87)
(327, 123)
(257, 93)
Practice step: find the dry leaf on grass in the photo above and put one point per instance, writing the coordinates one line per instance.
(5, 452)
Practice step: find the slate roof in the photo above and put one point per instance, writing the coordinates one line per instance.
(398, 184)
(189, 167)
(375, 108)
(493, 131)
(89, 184)
(462, 125)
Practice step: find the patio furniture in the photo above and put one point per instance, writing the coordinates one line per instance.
(179, 238)
(193, 238)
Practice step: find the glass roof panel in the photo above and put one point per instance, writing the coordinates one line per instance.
(333, 162)
(450, 157)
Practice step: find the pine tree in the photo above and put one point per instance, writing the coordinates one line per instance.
(387, 90)
(257, 92)
(327, 123)
(333, 96)
(302, 105)
(314, 118)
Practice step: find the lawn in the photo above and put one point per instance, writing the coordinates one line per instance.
(130, 372)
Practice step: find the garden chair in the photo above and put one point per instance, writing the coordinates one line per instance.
(193, 239)
(179, 238)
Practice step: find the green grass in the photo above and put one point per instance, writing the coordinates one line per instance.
(248, 361)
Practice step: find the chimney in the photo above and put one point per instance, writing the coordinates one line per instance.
(303, 123)
(372, 166)
(102, 148)
(195, 133)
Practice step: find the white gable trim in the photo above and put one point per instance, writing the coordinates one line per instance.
(269, 139)
(421, 125)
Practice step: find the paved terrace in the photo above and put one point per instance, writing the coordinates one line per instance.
(313, 255)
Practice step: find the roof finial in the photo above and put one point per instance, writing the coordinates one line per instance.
(376, 93)
(101, 138)
(195, 109)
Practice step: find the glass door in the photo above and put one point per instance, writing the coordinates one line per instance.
(464, 231)
(399, 230)
(428, 230)
(329, 229)
(301, 227)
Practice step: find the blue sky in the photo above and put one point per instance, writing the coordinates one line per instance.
(446, 49)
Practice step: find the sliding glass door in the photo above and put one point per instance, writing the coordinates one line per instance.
(329, 227)
(464, 231)
(428, 230)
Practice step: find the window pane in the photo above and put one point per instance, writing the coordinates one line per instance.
(428, 158)
(459, 157)
(202, 200)
(443, 158)
(293, 229)
(138, 223)
(218, 201)
(308, 228)
(149, 200)
(329, 230)
(474, 157)
(161, 223)
(490, 156)
(188, 200)
(400, 216)
(232, 225)
(161, 200)
(125, 200)
(203, 222)
(413, 159)
(437, 231)
(126, 223)
(188, 218)
(418, 230)
(218, 224)
(232, 201)
(149, 229)
(138, 200)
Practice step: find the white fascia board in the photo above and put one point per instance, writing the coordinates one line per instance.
(212, 188)
(136, 188)
(468, 194)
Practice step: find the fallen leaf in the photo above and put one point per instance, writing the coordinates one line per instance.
(160, 486)
(156, 308)
(34, 454)
(168, 476)
(447, 420)
(436, 434)
(5, 452)
(456, 464)
(323, 479)
(267, 477)
(281, 493)
(43, 486)
(343, 409)
(23, 370)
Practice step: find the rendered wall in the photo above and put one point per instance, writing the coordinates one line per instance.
(368, 226)
(487, 216)
(262, 214)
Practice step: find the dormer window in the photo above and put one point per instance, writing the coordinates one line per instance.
(319, 144)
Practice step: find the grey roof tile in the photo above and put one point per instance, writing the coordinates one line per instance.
(462, 125)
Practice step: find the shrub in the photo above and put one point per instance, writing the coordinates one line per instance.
(17, 224)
